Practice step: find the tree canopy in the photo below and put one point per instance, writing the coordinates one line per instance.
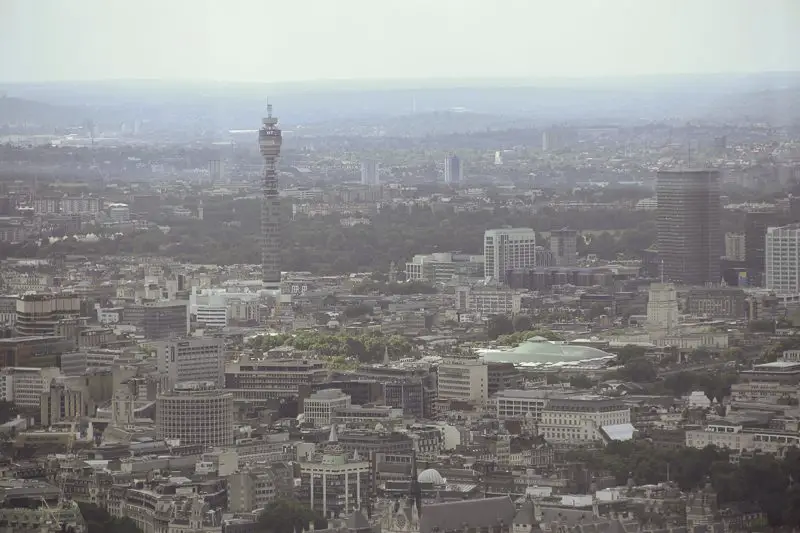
(228, 234)
(288, 516)
(98, 520)
(366, 347)
(763, 479)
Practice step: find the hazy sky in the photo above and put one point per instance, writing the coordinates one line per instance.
(296, 40)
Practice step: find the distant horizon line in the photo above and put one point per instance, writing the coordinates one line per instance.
(415, 81)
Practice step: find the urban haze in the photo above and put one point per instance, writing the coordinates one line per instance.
(399, 266)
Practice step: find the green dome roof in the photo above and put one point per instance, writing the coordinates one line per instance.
(538, 351)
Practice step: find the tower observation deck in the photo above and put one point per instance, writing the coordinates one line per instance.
(269, 142)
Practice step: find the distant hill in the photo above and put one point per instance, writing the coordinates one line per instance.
(19, 110)
(408, 107)
(779, 106)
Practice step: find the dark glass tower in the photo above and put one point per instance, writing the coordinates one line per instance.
(689, 238)
(755, 237)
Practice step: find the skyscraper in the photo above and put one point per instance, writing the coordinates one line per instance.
(369, 172)
(689, 238)
(452, 170)
(508, 249)
(564, 246)
(269, 141)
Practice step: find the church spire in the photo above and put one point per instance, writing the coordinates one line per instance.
(416, 490)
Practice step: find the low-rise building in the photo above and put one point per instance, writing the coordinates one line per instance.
(24, 386)
(464, 379)
(580, 418)
(489, 300)
(319, 408)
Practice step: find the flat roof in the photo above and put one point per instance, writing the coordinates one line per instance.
(777, 365)
(529, 393)
(14, 340)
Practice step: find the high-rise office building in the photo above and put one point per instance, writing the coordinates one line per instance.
(452, 170)
(369, 173)
(269, 142)
(783, 259)
(755, 235)
(508, 249)
(689, 239)
(564, 246)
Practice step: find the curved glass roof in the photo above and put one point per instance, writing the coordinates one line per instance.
(537, 351)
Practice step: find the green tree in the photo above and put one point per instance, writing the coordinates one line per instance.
(98, 520)
(638, 370)
(288, 516)
(518, 337)
(630, 352)
(700, 355)
(581, 381)
(498, 325)
(522, 323)
(681, 383)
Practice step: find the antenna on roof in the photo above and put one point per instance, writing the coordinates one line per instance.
(269, 108)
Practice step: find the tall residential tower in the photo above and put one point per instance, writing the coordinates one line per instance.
(369, 173)
(269, 141)
(452, 170)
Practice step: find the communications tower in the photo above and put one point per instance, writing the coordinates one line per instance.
(269, 142)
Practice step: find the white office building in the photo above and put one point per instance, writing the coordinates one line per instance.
(24, 386)
(489, 300)
(192, 359)
(214, 308)
(212, 316)
(518, 404)
(581, 418)
(783, 259)
(319, 408)
(463, 379)
(442, 267)
(507, 249)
